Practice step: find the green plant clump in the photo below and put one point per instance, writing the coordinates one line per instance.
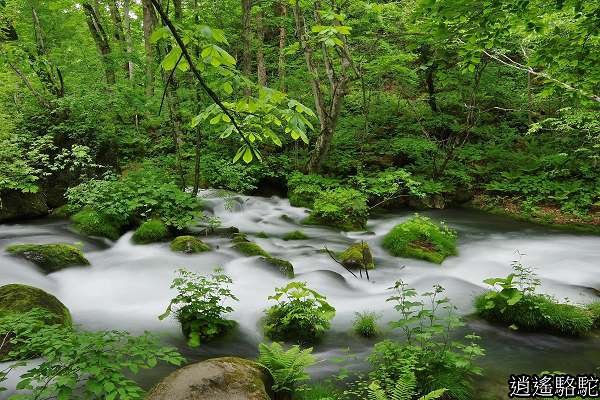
(342, 208)
(517, 304)
(287, 367)
(358, 255)
(50, 257)
(94, 223)
(199, 305)
(303, 189)
(189, 245)
(151, 231)
(301, 314)
(421, 238)
(365, 324)
(295, 235)
(595, 310)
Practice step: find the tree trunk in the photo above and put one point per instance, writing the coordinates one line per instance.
(49, 74)
(178, 9)
(150, 21)
(261, 68)
(246, 51)
(282, 43)
(128, 45)
(101, 39)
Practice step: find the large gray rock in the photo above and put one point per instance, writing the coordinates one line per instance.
(18, 205)
(227, 378)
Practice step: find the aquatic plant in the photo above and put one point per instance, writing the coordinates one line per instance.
(365, 324)
(151, 231)
(421, 238)
(301, 314)
(200, 305)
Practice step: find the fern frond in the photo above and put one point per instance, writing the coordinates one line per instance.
(436, 394)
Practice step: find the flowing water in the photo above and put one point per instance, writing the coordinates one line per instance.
(127, 286)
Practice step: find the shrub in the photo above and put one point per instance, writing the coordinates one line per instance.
(301, 314)
(517, 304)
(295, 235)
(419, 237)
(103, 360)
(50, 257)
(199, 305)
(94, 223)
(287, 367)
(303, 189)
(188, 245)
(342, 208)
(365, 324)
(151, 231)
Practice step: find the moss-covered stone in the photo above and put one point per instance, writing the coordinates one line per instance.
(189, 245)
(92, 223)
(17, 299)
(216, 378)
(50, 257)
(594, 308)
(357, 256)
(262, 235)
(295, 235)
(421, 238)
(250, 249)
(151, 231)
(16, 205)
(285, 267)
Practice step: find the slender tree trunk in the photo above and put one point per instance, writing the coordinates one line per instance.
(246, 37)
(128, 45)
(150, 22)
(101, 39)
(282, 43)
(178, 9)
(261, 68)
(48, 73)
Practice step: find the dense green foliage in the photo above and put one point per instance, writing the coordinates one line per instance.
(420, 237)
(199, 305)
(343, 208)
(300, 314)
(287, 367)
(94, 365)
(50, 257)
(517, 304)
(151, 231)
(96, 223)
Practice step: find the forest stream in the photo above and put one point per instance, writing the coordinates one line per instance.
(127, 285)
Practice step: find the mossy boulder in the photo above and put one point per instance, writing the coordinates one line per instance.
(248, 248)
(262, 235)
(594, 308)
(229, 378)
(295, 235)
(151, 231)
(93, 223)
(50, 257)
(342, 208)
(421, 238)
(285, 267)
(17, 299)
(189, 245)
(16, 205)
(537, 313)
(357, 256)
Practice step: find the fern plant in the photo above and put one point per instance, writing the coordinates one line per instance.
(404, 390)
(287, 367)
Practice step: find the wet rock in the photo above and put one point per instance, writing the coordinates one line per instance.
(357, 256)
(16, 205)
(227, 378)
(435, 201)
(17, 299)
(248, 248)
(285, 267)
(188, 245)
(50, 257)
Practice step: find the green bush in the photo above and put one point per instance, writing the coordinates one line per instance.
(287, 367)
(516, 304)
(151, 231)
(295, 235)
(94, 223)
(188, 245)
(303, 189)
(301, 314)
(50, 257)
(419, 237)
(365, 324)
(199, 305)
(342, 208)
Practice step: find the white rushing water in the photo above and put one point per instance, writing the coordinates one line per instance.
(127, 285)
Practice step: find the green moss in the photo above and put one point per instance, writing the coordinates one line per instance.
(295, 235)
(250, 249)
(151, 231)
(17, 299)
(317, 392)
(285, 267)
(538, 313)
(189, 245)
(93, 223)
(421, 238)
(594, 308)
(262, 235)
(50, 257)
(357, 256)
(342, 208)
